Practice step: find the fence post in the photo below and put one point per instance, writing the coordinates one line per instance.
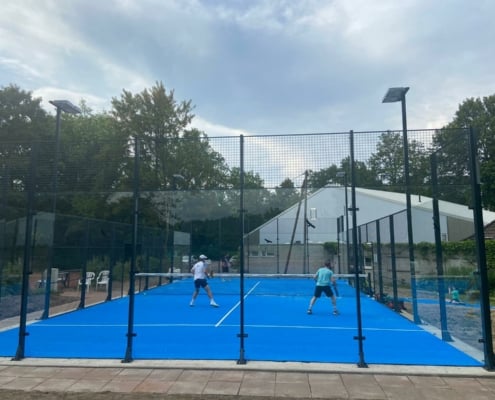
(135, 221)
(393, 259)
(438, 246)
(26, 267)
(480, 251)
(379, 260)
(360, 338)
(242, 335)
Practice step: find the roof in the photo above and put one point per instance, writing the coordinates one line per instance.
(424, 202)
(449, 209)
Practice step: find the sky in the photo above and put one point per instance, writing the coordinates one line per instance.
(258, 66)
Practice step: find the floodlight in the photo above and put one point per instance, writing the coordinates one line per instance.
(66, 106)
(395, 94)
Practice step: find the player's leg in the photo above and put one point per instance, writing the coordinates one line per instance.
(316, 296)
(195, 293)
(210, 296)
(334, 302)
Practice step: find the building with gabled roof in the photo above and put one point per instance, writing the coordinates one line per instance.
(303, 228)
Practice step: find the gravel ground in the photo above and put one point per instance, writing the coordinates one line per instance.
(463, 322)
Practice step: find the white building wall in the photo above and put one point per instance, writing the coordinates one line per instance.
(328, 204)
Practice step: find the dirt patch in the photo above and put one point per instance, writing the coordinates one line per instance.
(10, 306)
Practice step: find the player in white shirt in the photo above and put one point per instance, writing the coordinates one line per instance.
(201, 273)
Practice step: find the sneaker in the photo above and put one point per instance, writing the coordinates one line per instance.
(310, 311)
(336, 312)
(191, 304)
(213, 304)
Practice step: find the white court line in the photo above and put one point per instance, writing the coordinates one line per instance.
(228, 326)
(342, 328)
(155, 325)
(119, 325)
(236, 305)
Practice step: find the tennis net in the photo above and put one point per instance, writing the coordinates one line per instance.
(230, 284)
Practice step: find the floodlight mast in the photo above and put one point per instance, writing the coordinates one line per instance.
(394, 95)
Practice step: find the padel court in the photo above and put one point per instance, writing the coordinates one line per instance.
(274, 319)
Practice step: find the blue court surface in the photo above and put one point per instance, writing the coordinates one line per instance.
(275, 320)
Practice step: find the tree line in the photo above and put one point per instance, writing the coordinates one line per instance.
(177, 158)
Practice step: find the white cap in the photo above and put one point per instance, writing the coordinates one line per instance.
(203, 257)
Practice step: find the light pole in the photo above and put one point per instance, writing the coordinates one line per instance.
(343, 174)
(69, 108)
(394, 95)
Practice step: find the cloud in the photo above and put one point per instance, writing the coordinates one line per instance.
(265, 67)
(16, 66)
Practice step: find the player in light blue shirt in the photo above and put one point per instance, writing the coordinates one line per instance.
(324, 279)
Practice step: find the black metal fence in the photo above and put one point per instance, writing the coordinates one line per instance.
(149, 205)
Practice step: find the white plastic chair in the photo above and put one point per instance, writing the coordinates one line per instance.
(103, 278)
(89, 278)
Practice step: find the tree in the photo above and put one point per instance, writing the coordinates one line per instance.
(167, 147)
(92, 153)
(323, 177)
(156, 119)
(387, 163)
(451, 143)
(256, 197)
(284, 196)
(21, 117)
(22, 120)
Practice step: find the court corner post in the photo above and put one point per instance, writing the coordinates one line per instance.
(487, 338)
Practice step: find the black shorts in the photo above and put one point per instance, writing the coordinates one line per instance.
(200, 283)
(323, 289)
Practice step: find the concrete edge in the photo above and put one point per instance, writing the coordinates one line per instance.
(377, 369)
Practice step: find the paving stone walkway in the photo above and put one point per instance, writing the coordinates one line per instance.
(201, 380)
